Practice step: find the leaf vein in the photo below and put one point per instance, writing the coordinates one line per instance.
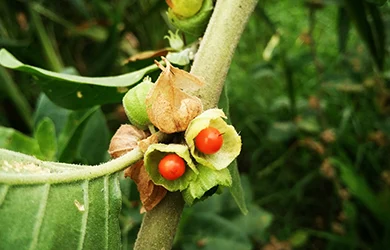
(3, 193)
(106, 205)
(84, 219)
(40, 215)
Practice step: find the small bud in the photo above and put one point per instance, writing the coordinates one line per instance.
(175, 41)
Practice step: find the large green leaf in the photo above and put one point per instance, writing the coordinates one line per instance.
(76, 92)
(49, 205)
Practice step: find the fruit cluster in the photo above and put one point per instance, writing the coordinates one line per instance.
(200, 145)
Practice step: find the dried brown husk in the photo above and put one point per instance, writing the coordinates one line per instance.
(125, 139)
(150, 193)
(169, 108)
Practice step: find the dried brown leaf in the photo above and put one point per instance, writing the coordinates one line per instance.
(148, 54)
(150, 193)
(169, 108)
(125, 139)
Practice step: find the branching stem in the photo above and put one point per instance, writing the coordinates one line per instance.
(211, 64)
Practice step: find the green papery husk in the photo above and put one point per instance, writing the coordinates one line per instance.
(134, 104)
(153, 156)
(194, 25)
(206, 180)
(231, 146)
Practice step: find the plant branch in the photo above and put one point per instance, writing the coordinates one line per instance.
(212, 61)
(211, 64)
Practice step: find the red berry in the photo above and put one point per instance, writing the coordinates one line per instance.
(171, 167)
(209, 140)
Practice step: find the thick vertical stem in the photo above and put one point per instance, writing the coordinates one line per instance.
(216, 51)
(211, 64)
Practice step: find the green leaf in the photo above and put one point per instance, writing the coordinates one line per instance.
(377, 2)
(343, 28)
(236, 189)
(205, 180)
(45, 135)
(76, 92)
(49, 205)
(359, 188)
(14, 140)
(95, 140)
(282, 131)
(69, 125)
(209, 226)
(299, 238)
(372, 32)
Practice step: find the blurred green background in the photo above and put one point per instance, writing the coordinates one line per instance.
(308, 91)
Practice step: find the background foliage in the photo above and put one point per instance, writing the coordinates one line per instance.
(308, 90)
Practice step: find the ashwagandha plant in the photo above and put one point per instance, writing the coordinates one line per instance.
(178, 149)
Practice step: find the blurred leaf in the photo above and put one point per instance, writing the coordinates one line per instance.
(236, 189)
(359, 188)
(309, 125)
(45, 135)
(47, 205)
(372, 33)
(377, 2)
(94, 142)
(343, 27)
(255, 223)
(69, 125)
(216, 243)
(299, 238)
(210, 226)
(282, 131)
(14, 140)
(76, 92)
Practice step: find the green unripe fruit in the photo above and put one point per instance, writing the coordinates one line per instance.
(185, 8)
(134, 104)
(194, 25)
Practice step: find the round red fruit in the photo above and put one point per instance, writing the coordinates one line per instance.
(171, 167)
(209, 140)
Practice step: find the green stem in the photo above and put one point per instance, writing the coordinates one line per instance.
(47, 45)
(211, 64)
(21, 104)
(79, 172)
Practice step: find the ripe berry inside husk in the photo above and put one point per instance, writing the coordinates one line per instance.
(209, 141)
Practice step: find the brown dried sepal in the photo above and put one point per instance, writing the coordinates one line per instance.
(169, 108)
(145, 143)
(150, 193)
(125, 139)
